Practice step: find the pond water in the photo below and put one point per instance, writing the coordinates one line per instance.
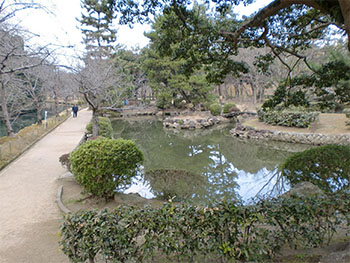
(29, 118)
(201, 166)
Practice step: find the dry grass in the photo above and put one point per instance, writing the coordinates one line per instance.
(12, 147)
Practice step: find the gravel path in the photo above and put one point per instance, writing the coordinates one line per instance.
(29, 216)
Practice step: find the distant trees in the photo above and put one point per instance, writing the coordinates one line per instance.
(15, 59)
(21, 81)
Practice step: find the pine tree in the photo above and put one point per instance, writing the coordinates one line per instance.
(96, 25)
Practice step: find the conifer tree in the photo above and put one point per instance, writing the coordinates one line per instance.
(96, 25)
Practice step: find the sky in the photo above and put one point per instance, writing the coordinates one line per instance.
(60, 27)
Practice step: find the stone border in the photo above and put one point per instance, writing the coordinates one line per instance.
(186, 122)
(293, 137)
(61, 206)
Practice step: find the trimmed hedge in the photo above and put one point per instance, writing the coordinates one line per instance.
(287, 118)
(215, 109)
(184, 233)
(103, 165)
(230, 107)
(104, 125)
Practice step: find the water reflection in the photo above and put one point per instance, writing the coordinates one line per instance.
(199, 166)
(29, 118)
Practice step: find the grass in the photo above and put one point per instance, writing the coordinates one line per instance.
(12, 147)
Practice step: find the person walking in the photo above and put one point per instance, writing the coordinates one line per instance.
(75, 110)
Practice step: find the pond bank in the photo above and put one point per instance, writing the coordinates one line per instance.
(329, 129)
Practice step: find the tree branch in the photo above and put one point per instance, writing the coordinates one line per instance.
(258, 19)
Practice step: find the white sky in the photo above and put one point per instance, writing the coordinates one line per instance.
(60, 27)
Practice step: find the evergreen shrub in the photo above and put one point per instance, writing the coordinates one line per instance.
(103, 165)
(289, 118)
(104, 125)
(215, 109)
(164, 100)
(226, 232)
(230, 107)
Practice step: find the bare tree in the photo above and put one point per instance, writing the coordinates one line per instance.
(15, 57)
(8, 9)
(102, 84)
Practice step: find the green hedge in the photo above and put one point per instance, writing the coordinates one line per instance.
(230, 107)
(299, 119)
(103, 165)
(184, 233)
(104, 125)
(215, 109)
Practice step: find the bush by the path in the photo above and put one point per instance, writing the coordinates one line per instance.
(184, 233)
(104, 125)
(103, 165)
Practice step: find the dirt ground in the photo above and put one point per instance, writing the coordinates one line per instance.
(327, 123)
(29, 216)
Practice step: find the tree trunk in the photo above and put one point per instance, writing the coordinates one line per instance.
(253, 92)
(55, 91)
(38, 117)
(95, 128)
(38, 111)
(5, 112)
(345, 10)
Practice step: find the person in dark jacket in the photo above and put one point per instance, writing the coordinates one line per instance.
(75, 110)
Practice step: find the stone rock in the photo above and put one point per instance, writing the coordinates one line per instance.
(67, 176)
(304, 189)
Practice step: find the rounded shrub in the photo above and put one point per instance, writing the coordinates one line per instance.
(103, 165)
(164, 100)
(104, 125)
(328, 167)
(230, 107)
(215, 109)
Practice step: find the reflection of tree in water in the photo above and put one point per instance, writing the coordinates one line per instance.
(177, 183)
(213, 153)
(221, 177)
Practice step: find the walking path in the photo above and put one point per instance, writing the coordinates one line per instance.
(29, 216)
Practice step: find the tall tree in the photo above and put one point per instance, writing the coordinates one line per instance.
(15, 57)
(131, 63)
(9, 9)
(97, 26)
(184, 59)
(102, 84)
(281, 24)
(101, 81)
(285, 26)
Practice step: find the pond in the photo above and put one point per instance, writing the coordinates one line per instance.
(201, 166)
(29, 118)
